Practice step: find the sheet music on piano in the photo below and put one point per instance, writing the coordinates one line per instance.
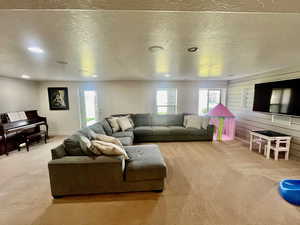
(16, 116)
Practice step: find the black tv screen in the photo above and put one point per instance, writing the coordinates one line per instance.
(281, 97)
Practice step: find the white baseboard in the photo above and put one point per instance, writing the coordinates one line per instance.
(60, 132)
(242, 140)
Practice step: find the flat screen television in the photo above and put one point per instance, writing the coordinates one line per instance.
(281, 97)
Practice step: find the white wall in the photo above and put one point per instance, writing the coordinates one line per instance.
(118, 97)
(18, 95)
(240, 96)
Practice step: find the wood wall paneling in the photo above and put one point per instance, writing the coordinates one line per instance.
(240, 97)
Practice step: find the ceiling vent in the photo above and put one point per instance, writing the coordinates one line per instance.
(192, 49)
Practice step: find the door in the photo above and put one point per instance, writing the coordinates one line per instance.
(89, 106)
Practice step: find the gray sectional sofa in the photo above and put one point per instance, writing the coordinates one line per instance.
(73, 171)
(154, 127)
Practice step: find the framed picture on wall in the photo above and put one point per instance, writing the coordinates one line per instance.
(58, 98)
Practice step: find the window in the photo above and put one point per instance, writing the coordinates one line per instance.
(166, 100)
(280, 100)
(208, 99)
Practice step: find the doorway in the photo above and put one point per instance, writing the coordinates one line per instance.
(89, 106)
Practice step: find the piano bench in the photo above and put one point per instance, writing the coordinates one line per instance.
(21, 139)
(31, 137)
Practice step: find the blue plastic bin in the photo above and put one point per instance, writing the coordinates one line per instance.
(290, 190)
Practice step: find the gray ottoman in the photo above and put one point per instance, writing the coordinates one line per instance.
(146, 166)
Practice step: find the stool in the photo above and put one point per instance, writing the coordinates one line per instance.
(258, 141)
(30, 137)
(21, 139)
(280, 145)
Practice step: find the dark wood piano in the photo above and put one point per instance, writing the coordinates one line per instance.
(9, 130)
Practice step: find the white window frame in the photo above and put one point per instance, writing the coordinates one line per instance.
(168, 105)
(208, 89)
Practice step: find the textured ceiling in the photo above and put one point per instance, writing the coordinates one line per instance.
(114, 44)
(168, 5)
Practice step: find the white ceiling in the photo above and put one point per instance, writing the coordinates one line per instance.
(114, 44)
(167, 5)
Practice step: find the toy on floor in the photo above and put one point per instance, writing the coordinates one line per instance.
(290, 190)
(224, 121)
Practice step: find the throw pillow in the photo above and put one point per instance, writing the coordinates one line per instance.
(72, 145)
(185, 119)
(130, 120)
(113, 121)
(105, 138)
(107, 128)
(124, 123)
(193, 121)
(205, 122)
(108, 148)
(85, 145)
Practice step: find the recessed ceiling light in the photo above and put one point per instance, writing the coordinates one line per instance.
(95, 76)
(24, 76)
(35, 49)
(155, 48)
(167, 75)
(192, 49)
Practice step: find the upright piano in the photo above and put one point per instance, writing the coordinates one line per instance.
(9, 130)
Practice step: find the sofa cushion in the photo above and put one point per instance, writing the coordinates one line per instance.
(161, 131)
(123, 134)
(97, 128)
(141, 119)
(167, 120)
(159, 120)
(197, 132)
(126, 141)
(87, 132)
(72, 145)
(178, 130)
(145, 163)
(107, 128)
(143, 131)
(175, 119)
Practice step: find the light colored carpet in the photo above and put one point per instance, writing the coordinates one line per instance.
(207, 184)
